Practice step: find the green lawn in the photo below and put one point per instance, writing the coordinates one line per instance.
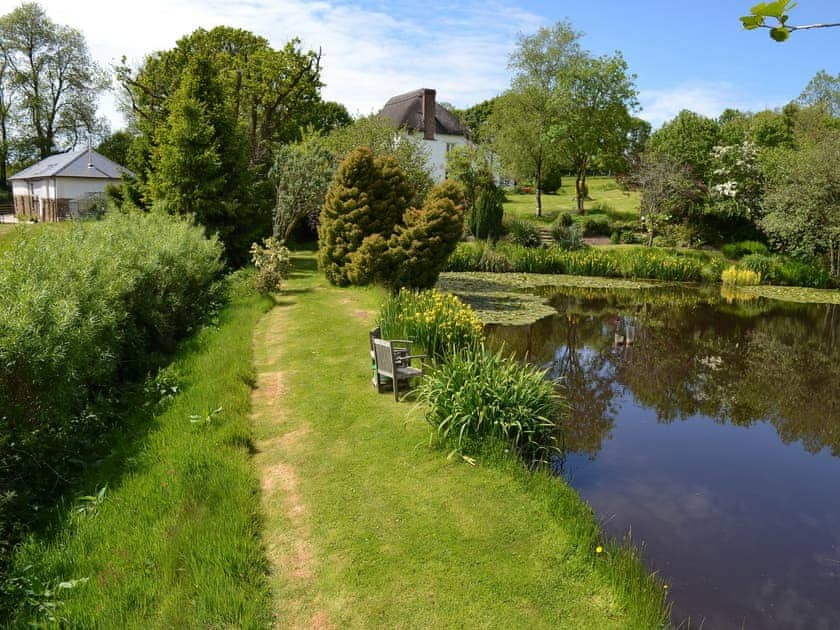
(606, 197)
(6, 233)
(367, 526)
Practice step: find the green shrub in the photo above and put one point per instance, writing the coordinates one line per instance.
(566, 219)
(615, 237)
(797, 273)
(567, 237)
(418, 250)
(761, 264)
(83, 309)
(596, 226)
(486, 217)
(477, 395)
(273, 264)
(552, 180)
(524, 233)
(368, 196)
(740, 249)
(439, 323)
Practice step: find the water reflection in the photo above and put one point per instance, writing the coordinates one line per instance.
(711, 427)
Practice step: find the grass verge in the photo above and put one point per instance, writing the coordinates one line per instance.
(366, 526)
(173, 540)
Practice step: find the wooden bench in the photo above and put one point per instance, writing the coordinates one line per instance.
(393, 360)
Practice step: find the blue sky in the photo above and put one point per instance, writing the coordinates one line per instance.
(374, 49)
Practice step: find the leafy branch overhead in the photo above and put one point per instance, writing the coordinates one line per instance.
(777, 14)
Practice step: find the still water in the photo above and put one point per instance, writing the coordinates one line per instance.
(710, 429)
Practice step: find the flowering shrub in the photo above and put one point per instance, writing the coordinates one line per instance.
(742, 277)
(273, 264)
(437, 322)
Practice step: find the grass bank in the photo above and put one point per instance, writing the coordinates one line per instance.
(367, 526)
(167, 534)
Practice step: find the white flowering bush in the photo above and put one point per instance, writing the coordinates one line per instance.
(736, 184)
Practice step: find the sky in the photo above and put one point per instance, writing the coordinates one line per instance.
(697, 59)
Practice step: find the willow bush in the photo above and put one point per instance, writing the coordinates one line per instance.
(81, 310)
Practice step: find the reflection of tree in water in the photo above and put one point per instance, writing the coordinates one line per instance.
(586, 379)
(775, 362)
(793, 380)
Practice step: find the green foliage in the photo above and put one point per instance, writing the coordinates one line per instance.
(197, 161)
(83, 309)
(382, 138)
(671, 193)
(470, 166)
(777, 12)
(740, 277)
(115, 146)
(802, 202)
(180, 521)
(212, 108)
(688, 139)
(301, 175)
(626, 262)
(418, 249)
(567, 236)
(597, 226)
(439, 323)
(523, 233)
(743, 248)
(479, 395)
(368, 197)
(53, 80)
(486, 216)
(787, 271)
(273, 263)
(822, 92)
(552, 179)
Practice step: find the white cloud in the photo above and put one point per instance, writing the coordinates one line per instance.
(704, 97)
(368, 53)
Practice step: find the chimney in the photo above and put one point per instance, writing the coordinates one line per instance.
(428, 110)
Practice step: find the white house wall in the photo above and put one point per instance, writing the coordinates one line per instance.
(437, 153)
(80, 187)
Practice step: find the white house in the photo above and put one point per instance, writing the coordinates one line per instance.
(54, 188)
(418, 111)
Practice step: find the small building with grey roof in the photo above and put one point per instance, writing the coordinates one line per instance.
(56, 188)
(419, 112)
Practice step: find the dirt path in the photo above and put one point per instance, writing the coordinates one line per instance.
(289, 549)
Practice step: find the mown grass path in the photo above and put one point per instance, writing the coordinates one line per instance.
(365, 525)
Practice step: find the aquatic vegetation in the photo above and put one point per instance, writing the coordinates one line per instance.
(740, 277)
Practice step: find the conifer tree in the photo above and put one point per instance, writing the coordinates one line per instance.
(368, 196)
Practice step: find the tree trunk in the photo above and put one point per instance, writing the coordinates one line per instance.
(539, 190)
(580, 190)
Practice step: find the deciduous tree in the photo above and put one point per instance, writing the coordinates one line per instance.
(595, 98)
(55, 80)
(802, 202)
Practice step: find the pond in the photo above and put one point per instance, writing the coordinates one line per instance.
(709, 428)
